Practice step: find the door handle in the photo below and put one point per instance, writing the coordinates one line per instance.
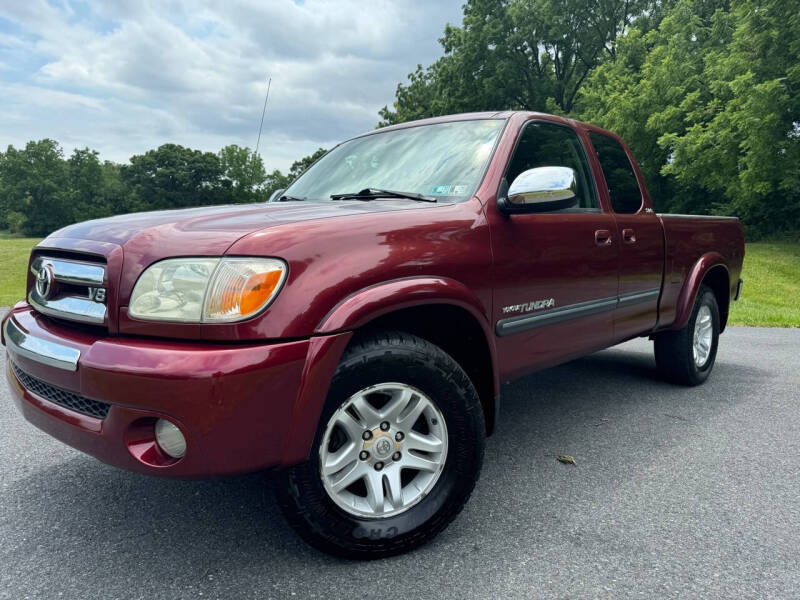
(602, 237)
(629, 236)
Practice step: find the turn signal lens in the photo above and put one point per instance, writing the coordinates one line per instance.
(242, 287)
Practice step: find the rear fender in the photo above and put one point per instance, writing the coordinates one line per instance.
(692, 284)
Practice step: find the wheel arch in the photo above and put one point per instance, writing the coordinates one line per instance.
(710, 270)
(440, 310)
(718, 279)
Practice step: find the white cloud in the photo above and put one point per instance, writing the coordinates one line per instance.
(123, 77)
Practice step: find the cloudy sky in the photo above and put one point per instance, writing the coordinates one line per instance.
(123, 77)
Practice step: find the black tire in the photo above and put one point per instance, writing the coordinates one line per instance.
(674, 349)
(402, 358)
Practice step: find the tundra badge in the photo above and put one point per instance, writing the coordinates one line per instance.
(529, 306)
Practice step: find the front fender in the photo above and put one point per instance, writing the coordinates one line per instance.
(334, 332)
(324, 354)
(691, 286)
(369, 303)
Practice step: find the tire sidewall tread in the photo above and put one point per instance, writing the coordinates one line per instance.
(674, 349)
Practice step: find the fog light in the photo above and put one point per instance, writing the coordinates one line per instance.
(170, 439)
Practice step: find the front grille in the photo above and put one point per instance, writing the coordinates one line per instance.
(69, 289)
(65, 399)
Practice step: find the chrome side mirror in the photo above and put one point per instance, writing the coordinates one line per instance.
(273, 197)
(542, 189)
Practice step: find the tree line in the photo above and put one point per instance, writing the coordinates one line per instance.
(706, 92)
(41, 190)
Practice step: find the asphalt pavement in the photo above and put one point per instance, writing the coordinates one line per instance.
(677, 493)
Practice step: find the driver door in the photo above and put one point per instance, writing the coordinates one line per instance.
(555, 273)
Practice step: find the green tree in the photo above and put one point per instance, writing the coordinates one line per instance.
(243, 173)
(278, 181)
(33, 184)
(275, 181)
(41, 192)
(709, 103)
(85, 184)
(116, 194)
(519, 54)
(173, 176)
(301, 165)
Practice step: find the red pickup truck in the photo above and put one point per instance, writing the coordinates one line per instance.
(352, 334)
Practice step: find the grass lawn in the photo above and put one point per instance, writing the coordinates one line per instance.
(771, 296)
(14, 253)
(771, 293)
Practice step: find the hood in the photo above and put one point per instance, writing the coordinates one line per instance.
(210, 230)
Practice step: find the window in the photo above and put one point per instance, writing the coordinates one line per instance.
(544, 144)
(626, 197)
(441, 160)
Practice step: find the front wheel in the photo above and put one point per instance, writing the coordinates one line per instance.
(397, 453)
(687, 356)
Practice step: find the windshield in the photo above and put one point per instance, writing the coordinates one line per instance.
(441, 160)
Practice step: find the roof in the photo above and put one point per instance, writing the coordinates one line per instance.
(502, 114)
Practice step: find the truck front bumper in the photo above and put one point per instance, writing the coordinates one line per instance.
(240, 407)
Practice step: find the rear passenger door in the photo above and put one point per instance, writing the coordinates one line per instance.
(641, 240)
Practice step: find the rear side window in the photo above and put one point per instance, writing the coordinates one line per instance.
(544, 144)
(626, 197)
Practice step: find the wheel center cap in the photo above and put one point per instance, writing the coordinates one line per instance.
(383, 447)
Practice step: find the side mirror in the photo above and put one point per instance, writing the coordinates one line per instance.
(542, 189)
(273, 197)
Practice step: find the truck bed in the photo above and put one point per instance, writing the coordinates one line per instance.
(687, 238)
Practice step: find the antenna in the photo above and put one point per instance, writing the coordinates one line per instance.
(263, 111)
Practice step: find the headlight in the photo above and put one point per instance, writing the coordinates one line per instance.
(206, 290)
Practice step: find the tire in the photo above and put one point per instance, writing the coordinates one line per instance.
(675, 350)
(327, 520)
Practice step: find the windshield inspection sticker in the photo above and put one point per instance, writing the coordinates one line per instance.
(449, 190)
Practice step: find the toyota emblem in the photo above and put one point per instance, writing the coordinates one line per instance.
(44, 281)
(383, 447)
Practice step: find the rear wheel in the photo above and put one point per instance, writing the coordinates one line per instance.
(687, 356)
(397, 453)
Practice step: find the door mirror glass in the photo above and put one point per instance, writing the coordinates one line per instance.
(276, 194)
(542, 189)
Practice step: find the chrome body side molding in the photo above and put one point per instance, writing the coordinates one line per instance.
(521, 323)
(637, 297)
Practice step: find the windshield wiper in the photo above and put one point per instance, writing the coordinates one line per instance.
(372, 193)
(290, 199)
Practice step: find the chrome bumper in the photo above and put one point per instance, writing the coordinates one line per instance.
(40, 350)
